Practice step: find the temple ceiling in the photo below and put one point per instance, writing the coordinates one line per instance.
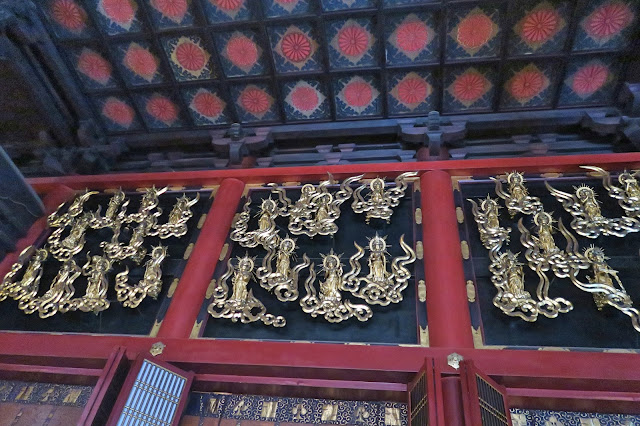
(150, 65)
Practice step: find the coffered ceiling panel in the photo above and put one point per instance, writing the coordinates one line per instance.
(154, 65)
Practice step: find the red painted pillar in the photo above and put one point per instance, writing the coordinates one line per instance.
(190, 292)
(58, 195)
(447, 307)
(452, 401)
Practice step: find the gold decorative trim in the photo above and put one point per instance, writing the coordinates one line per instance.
(620, 351)
(416, 184)
(464, 248)
(291, 183)
(455, 181)
(419, 250)
(553, 348)
(155, 328)
(551, 175)
(459, 215)
(223, 252)
(172, 288)
(195, 331)
(357, 344)
(424, 336)
(418, 216)
(111, 190)
(176, 188)
(422, 291)
(471, 291)
(478, 342)
(248, 187)
(210, 289)
(187, 252)
(157, 348)
(201, 221)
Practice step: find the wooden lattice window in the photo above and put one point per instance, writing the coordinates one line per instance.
(484, 400)
(155, 393)
(421, 396)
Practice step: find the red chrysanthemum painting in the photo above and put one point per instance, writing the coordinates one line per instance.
(296, 46)
(589, 79)
(358, 94)
(608, 20)
(527, 84)
(228, 5)
(469, 87)
(69, 14)
(540, 25)
(141, 62)
(174, 10)
(118, 111)
(353, 40)
(162, 109)
(94, 66)
(190, 55)
(475, 30)
(255, 101)
(242, 51)
(412, 90)
(412, 36)
(122, 12)
(207, 104)
(304, 98)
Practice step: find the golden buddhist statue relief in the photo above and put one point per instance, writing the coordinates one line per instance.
(317, 209)
(380, 286)
(282, 280)
(240, 304)
(586, 269)
(328, 302)
(379, 202)
(67, 241)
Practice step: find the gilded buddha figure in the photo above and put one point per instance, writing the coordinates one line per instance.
(627, 194)
(545, 240)
(27, 287)
(240, 304)
(517, 198)
(283, 280)
(379, 203)
(602, 274)
(95, 298)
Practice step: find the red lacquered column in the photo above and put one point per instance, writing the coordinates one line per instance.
(447, 307)
(191, 289)
(58, 195)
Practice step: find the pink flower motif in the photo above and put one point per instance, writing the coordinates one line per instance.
(242, 51)
(413, 90)
(255, 101)
(474, 31)
(228, 4)
(120, 11)
(69, 15)
(526, 84)
(358, 94)
(94, 66)
(305, 98)
(540, 25)
(608, 20)
(295, 46)
(207, 104)
(412, 36)
(589, 79)
(190, 56)
(469, 87)
(172, 9)
(140, 61)
(162, 109)
(353, 40)
(118, 111)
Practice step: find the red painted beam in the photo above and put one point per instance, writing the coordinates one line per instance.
(447, 307)
(191, 290)
(282, 174)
